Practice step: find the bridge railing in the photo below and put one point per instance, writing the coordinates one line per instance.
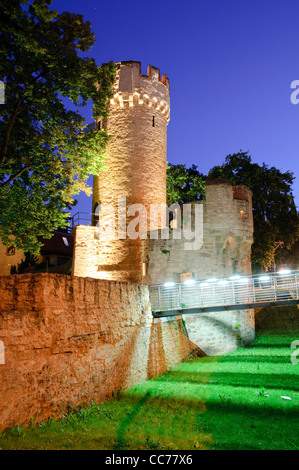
(233, 290)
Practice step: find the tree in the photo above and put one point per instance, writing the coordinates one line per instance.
(47, 151)
(184, 184)
(274, 211)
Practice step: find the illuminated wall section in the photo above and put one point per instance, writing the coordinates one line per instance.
(135, 167)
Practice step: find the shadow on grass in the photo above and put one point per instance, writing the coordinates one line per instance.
(275, 340)
(262, 407)
(272, 344)
(236, 379)
(216, 425)
(259, 359)
(120, 439)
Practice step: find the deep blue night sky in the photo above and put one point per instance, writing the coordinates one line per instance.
(230, 65)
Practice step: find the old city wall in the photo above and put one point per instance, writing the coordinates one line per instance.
(69, 341)
(227, 236)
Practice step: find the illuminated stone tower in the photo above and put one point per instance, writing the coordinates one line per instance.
(135, 175)
(138, 118)
(135, 166)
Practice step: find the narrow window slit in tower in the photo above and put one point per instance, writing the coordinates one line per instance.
(153, 121)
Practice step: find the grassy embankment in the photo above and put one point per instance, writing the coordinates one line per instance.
(228, 402)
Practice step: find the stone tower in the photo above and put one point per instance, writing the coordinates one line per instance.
(135, 165)
(134, 179)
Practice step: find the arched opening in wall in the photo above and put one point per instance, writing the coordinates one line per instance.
(153, 121)
(146, 100)
(95, 215)
(101, 124)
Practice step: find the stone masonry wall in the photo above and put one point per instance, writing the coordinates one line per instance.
(220, 333)
(226, 249)
(69, 341)
(227, 232)
(135, 162)
(227, 238)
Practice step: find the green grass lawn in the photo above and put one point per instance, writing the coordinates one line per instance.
(228, 402)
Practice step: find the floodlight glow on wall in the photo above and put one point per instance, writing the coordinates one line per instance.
(169, 284)
(284, 271)
(235, 277)
(189, 282)
(222, 282)
(265, 278)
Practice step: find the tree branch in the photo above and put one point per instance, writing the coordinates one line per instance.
(13, 177)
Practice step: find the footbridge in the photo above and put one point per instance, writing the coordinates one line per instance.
(236, 292)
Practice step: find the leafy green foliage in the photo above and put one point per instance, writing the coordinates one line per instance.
(184, 184)
(47, 151)
(274, 211)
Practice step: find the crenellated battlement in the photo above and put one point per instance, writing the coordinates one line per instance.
(129, 99)
(153, 73)
(133, 88)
